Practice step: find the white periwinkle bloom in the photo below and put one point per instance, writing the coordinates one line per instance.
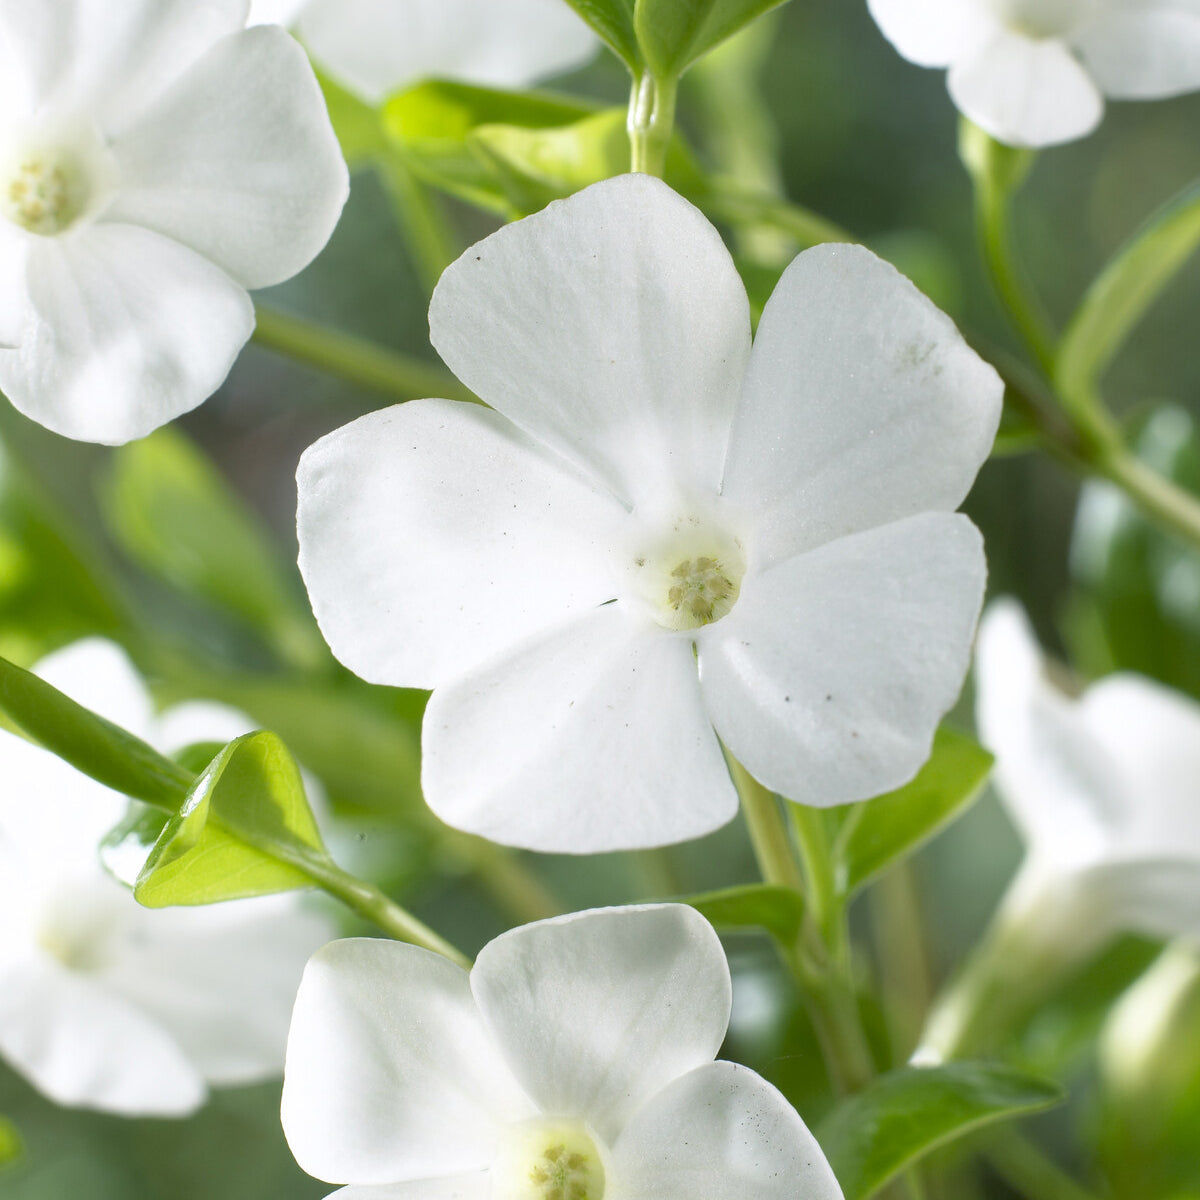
(1104, 788)
(376, 47)
(1035, 72)
(659, 533)
(157, 159)
(574, 1062)
(105, 1004)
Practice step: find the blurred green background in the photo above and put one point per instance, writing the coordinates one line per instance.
(863, 138)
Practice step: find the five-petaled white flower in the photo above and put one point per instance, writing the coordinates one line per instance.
(1105, 790)
(574, 1062)
(105, 1004)
(376, 47)
(1035, 72)
(658, 532)
(156, 160)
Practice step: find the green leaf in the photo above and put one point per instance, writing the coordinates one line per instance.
(246, 815)
(88, 742)
(10, 1142)
(1125, 289)
(674, 33)
(878, 832)
(174, 514)
(50, 593)
(778, 910)
(901, 1116)
(613, 21)
(358, 126)
(1134, 604)
(535, 166)
(431, 127)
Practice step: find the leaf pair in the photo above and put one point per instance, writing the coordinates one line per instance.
(665, 37)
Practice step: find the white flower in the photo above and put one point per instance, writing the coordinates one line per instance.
(105, 1004)
(377, 47)
(574, 1062)
(1035, 72)
(1105, 790)
(658, 532)
(156, 160)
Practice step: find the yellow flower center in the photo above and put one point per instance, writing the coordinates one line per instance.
(43, 193)
(549, 1160)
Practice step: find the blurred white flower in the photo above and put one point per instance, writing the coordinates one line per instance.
(105, 1004)
(1104, 788)
(376, 47)
(157, 160)
(1035, 72)
(574, 1062)
(659, 532)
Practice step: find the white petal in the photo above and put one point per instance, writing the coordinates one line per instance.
(1026, 91)
(829, 676)
(238, 161)
(434, 535)
(1058, 780)
(110, 60)
(222, 980)
(133, 329)
(476, 1186)
(99, 675)
(862, 405)
(391, 1075)
(87, 1048)
(723, 1131)
(15, 309)
(1142, 55)
(613, 327)
(598, 1011)
(1153, 734)
(1156, 897)
(933, 33)
(376, 47)
(274, 12)
(199, 721)
(591, 738)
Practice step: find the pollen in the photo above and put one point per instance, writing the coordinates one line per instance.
(702, 591)
(41, 194)
(549, 1160)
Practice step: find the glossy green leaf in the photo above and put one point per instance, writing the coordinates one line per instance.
(613, 21)
(874, 1135)
(10, 1142)
(245, 816)
(535, 166)
(431, 127)
(174, 514)
(1125, 289)
(674, 33)
(88, 742)
(778, 910)
(878, 832)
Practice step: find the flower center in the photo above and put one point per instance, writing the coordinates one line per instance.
(690, 577)
(1043, 18)
(549, 1160)
(50, 178)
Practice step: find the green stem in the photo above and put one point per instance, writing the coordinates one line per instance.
(993, 216)
(768, 832)
(1158, 497)
(355, 359)
(1034, 1175)
(431, 247)
(368, 901)
(651, 122)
